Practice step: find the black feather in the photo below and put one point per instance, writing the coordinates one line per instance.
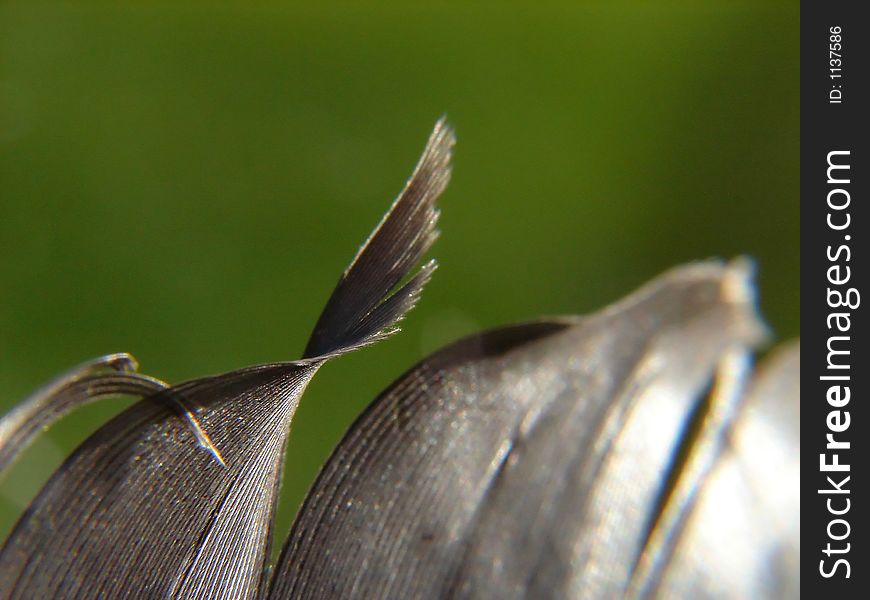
(174, 497)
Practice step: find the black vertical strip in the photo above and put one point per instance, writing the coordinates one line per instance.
(834, 227)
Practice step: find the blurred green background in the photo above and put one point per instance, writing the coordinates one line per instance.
(186, 181)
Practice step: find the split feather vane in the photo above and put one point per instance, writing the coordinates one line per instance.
(361, 310)
(536, 461)
(174, 497)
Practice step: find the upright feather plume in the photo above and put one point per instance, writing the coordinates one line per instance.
(361, 310)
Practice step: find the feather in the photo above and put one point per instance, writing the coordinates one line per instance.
(174, 497)
(529, 461)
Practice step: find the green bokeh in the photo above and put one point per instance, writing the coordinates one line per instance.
(186, 181)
